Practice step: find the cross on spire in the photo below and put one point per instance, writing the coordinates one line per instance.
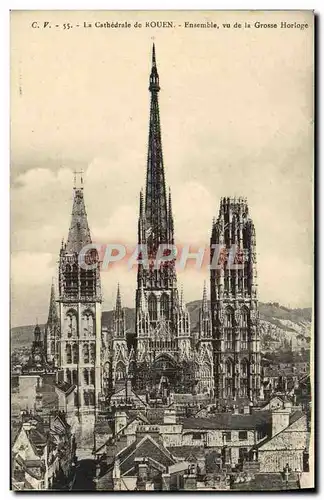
(76, 173)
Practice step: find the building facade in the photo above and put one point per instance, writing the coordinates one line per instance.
(234, 303)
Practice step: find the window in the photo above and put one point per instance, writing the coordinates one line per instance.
(68, 354)
(152, 306)
(86, 398)
(86, 376)
(92, 376)
(243, 454)
(196, 435)
(164, 306)
(86, 353)
(242, 435)
(75, 352)
(91, 398)
(227, 437)
(92, 352)
(229, 317)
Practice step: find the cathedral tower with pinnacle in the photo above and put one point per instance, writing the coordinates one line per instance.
(79, 302)
(52, 332)
(234, 303)
(163, 342)
(122, 357)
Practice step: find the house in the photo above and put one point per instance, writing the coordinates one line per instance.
(287, 444)
(139, 465)
(42, 453)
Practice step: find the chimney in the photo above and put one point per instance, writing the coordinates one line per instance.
(288, 406)
(142, 471)
(142, 477)
(246, 410)
(120, 421)
(280, 420)
(170, 416)
(166, 479)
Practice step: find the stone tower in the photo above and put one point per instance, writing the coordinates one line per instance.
(80, 310)
(52, 332)
(234, 304)
(162, 323)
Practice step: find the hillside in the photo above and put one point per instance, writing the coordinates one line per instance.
(280, 326)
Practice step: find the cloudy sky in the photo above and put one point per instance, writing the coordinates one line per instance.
(236, 112)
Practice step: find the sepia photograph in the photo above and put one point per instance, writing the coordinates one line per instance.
(162, 250)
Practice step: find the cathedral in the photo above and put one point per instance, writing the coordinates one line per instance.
(161, 353)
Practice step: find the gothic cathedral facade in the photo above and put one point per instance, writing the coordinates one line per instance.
(219, 357)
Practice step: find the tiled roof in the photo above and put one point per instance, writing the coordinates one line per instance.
(292, 419)
(266, 482)
(145, 447)
(229, 421)
(103, 427)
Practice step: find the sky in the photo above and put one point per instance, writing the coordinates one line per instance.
(236, 111)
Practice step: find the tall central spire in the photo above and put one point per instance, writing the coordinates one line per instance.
(155, 200)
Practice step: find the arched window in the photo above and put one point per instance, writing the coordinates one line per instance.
(244, 327)
(67, 277)
(229, 317)
(68, 354)
(53, 347)
(68, 376)
(85, 353)
(74, 377)
(86, 376)
(244, 368)
(87, 324)
(92, 352)
(120, 371)
(152, 306)
(92, 376)
(229, 374)
(244, 377)
(228, 330)
(205, 371)
(71, 321)
(244, 317)
(75, 353)
(74, 280)
(229, 368)
(86, 398)
(246, 236)
(164, 306)
(91, 397)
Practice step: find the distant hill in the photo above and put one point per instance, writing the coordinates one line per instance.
(279, 325)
